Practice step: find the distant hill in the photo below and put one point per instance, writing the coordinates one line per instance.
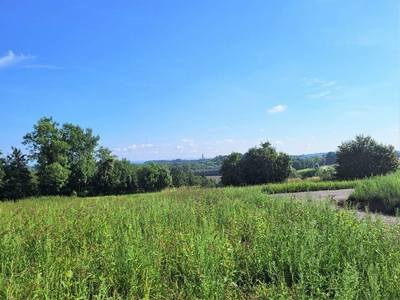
(309, 155)
(220, 158)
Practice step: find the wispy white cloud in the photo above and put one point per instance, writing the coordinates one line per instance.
(12, 59)
(278, 143)
(318, 82)
(133, 146)
(311, 81)
(146, 145)
(179, 147)
(226, 141)
(187, 141)
(277, 109)
(329, 83)
(319, 95)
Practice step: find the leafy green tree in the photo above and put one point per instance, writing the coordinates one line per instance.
(20, 182)
(125, 174)
(105, 179)
(207, 182)
(153, 178)
(81, 157)
(54, 177)
(265, 165)
(330, 158)
(50, 151)
(326, 174)
(364, 157)
(296, 164)
(231, 170)
(179, 177)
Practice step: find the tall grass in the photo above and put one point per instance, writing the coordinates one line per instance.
(232, 243)
(308, 186)
(383, 189)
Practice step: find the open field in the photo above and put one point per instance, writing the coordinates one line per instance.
(231, 243)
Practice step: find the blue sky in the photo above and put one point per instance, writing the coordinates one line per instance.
(178, 79)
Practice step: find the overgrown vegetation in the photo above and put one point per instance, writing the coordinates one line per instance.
(308, 186)
(380, 189)
(231, 243)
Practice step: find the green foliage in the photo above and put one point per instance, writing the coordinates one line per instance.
(104, 178)
(293, 173)
(182, 176)
(380, 189)
(126, 178)
(330, 158)
(264, 165)
(300, 163)
(308, 186)
(257, 166)
(64, 157)
(81, 160)
(364, 157)
(179, 177)
(231, 170)
(153, 178)
(207, 182)
(306, 173)
(231, 243)
(198, 166)
(326, 173)
(19, 181)
(53, 178)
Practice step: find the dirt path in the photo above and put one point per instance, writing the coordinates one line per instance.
(339, 195)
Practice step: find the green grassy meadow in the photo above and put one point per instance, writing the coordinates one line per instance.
(227, 243)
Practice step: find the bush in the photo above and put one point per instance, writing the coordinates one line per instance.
(306, 173)
(364, 157)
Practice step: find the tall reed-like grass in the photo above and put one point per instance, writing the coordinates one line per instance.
(231, 243)
(308, 186)
(384, 189)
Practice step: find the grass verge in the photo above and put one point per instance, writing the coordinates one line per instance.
(308, 186)
(378, 191)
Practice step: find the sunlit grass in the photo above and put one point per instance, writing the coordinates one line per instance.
(311, 184)
(231, 243)
(384, 189)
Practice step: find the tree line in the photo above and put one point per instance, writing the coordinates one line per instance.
(299, 163)
(355, 159)
(68, 161)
